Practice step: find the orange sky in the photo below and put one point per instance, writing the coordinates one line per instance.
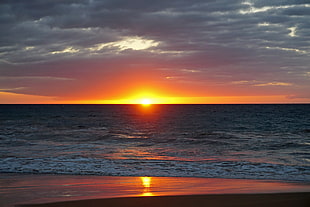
(159, 87)
(133, 85)
(12, 98)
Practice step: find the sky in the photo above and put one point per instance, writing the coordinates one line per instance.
(176, 51)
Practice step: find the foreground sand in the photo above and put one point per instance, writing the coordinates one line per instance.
(120, 191)
(232, 200)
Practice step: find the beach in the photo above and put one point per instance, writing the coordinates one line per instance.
(238, 200)
(76, 190)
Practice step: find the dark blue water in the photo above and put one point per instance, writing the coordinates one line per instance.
(225, 141)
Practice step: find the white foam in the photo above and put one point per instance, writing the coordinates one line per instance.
(161, 168)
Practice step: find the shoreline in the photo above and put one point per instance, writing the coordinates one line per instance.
(221, 200)
(17, 189)
(293, 181)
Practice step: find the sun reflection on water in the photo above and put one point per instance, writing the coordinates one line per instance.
(146, 182)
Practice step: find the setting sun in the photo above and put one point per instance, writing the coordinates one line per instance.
(146, 102)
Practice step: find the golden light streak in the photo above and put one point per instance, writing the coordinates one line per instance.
(146, 182)
(11, 98)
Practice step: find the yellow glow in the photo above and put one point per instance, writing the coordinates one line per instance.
(154, 98)
(204, 100)
(129, 42)
(145, 99)
(146, 102)
(136, 43)
(66, 50)
(146, 182)
(147, 194)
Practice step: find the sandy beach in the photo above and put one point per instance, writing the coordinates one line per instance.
(73, 190)
(238, 200)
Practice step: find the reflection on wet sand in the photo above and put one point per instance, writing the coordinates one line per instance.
(27, 188)
(146, 182)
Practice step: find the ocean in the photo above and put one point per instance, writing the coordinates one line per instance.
(270, 141)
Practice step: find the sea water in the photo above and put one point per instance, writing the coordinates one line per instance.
(213, 141)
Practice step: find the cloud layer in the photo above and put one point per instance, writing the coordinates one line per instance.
(89, 48)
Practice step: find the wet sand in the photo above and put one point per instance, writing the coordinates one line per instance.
(232, 200)
(17, 189)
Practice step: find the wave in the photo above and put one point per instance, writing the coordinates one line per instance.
(156, 168)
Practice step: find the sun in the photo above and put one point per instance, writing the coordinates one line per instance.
(146, 102)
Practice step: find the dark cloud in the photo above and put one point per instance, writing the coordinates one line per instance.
(227, 41)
